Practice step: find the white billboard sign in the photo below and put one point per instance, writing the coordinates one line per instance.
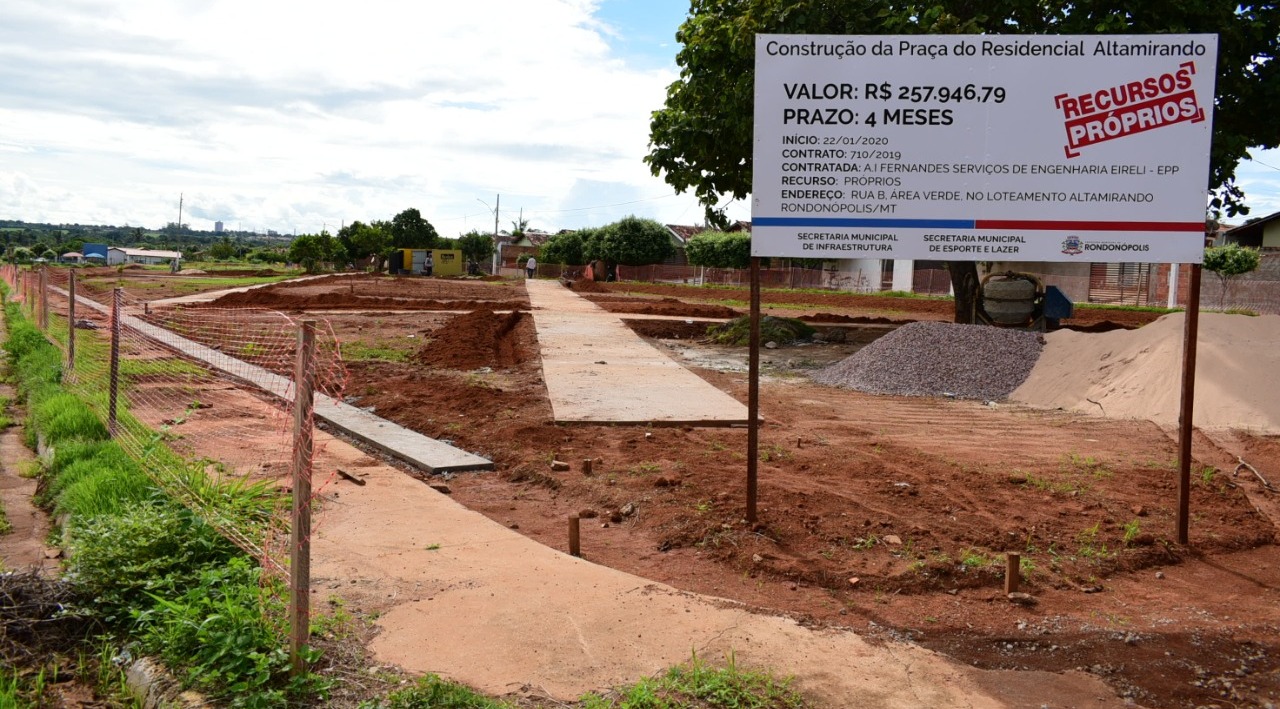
(983, 148)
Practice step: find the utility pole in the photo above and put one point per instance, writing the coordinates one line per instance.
(497, 245)
(179, 213)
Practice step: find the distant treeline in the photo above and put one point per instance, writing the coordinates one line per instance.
(22, 241)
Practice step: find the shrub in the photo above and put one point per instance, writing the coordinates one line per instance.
(772, 329)
(151, 549)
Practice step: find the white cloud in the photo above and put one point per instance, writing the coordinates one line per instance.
(293, 115)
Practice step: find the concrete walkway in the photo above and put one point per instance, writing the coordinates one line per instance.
(410, 446)
(212, 295)
(597, 370)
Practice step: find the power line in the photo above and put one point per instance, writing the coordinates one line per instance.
(1273, 167)
(575, 209)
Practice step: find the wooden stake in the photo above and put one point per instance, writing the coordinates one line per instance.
(44, 299)
(575, 548)
(113, 395)
(1187, 404)
(300, 537)
(71, 321)
(1012, 572)
(753, 392)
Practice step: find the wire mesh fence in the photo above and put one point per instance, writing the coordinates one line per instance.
(202, 398)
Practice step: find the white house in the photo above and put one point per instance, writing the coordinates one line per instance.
(118, 255)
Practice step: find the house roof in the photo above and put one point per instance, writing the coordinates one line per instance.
(147, 252)
(533, 238)
(1251, 233)
(683, 233)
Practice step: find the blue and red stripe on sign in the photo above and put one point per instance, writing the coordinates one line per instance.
(979, 224)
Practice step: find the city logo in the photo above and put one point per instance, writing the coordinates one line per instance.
(1072, 246)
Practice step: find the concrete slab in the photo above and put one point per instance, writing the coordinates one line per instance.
(597, 370)
(210, 296)
(410, 446)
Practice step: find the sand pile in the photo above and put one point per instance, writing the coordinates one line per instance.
(1138, 373)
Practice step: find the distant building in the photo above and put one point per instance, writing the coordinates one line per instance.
(217, 227)
(118, 255)
(94, 251)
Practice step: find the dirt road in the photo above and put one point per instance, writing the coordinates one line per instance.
(916, 499)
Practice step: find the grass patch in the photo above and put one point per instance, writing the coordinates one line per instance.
(379, 351)
(1129, 308)
(168, 366)
(431, 692)
(698, 684)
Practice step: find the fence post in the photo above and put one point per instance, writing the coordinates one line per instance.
(71, 322)
(300, 535)
(44, 299)
(116, 296)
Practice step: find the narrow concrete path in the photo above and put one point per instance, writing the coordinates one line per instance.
(597, 370)
(210, 296)
(393, 439)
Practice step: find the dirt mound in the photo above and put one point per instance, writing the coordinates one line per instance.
(586, 285)
(276, 299)
(1137, 373)
(669, 329)
(480, 338)
(853, 319)
(772, 329)
(666, 306)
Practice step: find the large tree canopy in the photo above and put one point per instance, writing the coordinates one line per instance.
(364, 240)
(565, 249)
(475, 247)
(410, 231)
(701, 140)
(630, 241)
(716, 249)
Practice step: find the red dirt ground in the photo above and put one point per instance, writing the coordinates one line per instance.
(884, 514)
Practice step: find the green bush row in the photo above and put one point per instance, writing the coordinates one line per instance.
(146, 569)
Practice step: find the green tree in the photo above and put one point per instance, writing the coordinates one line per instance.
(1227, 262)
(410, 231)
(630, 241)
(475, 247)
(717, 249)
(564, 249)
(360, 241)
(223, 249)
(312, 251)
(701, 139)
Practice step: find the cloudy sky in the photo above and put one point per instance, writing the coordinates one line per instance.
(297, 116)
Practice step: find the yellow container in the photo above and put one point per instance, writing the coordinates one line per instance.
(445, 262)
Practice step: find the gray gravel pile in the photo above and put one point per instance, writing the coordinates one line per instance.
(940, 359)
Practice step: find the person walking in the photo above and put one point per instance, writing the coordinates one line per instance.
(530, 267)
(428, 264)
